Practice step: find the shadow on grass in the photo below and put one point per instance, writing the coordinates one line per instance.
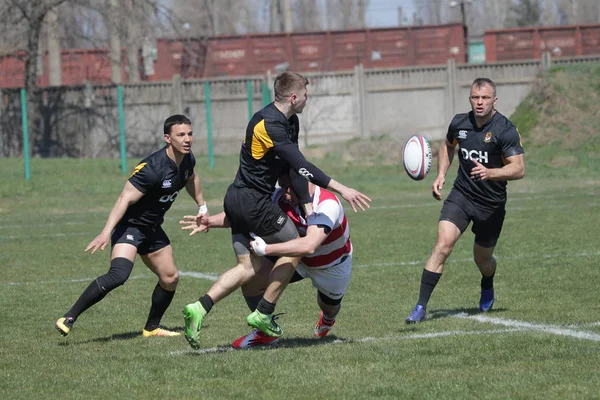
(120, 336)
(469, 311)
(439, 314)
(287, 343)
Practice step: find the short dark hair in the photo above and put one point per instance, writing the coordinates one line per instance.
(287, 83)
(479, 82)
(176, 119)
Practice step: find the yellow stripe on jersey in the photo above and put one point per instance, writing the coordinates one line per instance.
(261, 141)
(137, 169)
(520, 140)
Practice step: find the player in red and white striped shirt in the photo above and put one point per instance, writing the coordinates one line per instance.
(324, 246)
(326, 252)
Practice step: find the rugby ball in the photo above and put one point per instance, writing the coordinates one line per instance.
(417, 157)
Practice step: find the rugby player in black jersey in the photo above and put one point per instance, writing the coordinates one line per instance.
(490, 154)
(269, 148)
(134, 226)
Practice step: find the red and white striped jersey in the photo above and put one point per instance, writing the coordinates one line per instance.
(327, 211)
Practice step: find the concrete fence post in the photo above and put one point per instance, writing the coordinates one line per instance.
(546, 60)
(176, 95)
(361, 101)
(452, 88)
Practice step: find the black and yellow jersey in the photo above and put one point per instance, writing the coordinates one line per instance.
(270, 147)
(489, 144)
(159, 178)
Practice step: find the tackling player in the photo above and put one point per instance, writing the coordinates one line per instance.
(324, 246)
(134, 226)
(490, 154)
(270, 147)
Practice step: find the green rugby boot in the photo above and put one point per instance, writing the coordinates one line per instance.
(265, 323)
(193, 314)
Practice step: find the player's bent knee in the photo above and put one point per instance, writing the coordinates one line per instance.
(484, 260)
(171, 279)
(442, 250)
(117, 275)
(328, 300)
(288, 260)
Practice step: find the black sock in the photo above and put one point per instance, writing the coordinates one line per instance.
(252, 301)
(487, 282)
(207, 302)
(428, 281)
(161, 298)
(265, 307)
(90, 296)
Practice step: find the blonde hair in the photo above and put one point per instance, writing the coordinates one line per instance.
(287, 83)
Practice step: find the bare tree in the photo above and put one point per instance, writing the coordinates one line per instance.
(345, 14)
(223, 17)
(308, 16)
(31, 14)
(54, 53)
(525, 13)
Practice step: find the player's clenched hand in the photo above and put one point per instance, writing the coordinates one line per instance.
(195, 223)
(479, 172)
(259, 246)
(356, 199)
(437, 187)
(99, 242)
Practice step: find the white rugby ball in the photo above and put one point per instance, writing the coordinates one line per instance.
(417, 157)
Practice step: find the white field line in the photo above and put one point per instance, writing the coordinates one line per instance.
(375, 207)
(553, 329)
(197, 275)
(462, 260)
(200, 275)
(36, 225)
(212, 276)
(282, 344)
(509, 207)
(43, 235)
(512, 327)
(586, 325)
(172, 219)
(66, 281)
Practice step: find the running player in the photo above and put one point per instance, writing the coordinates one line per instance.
(269, 148)
(490, 154)
(134, 226)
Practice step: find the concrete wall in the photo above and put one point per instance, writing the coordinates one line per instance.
(83, 122)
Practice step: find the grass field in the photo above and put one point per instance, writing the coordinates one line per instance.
(542, 340)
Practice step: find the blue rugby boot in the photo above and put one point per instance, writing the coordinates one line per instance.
(486, 301)
(417, 315)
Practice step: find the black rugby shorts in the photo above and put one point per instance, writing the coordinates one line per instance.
(146, 239)
(251, 211)
(487, 224)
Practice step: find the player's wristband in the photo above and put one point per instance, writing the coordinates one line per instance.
(202, 208)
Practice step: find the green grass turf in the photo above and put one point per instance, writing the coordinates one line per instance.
(548, 259)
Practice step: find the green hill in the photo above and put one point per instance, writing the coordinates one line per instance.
(560, 121)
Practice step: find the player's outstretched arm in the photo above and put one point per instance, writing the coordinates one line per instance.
(128, 196)
(352, 196)
(292, 155)
(201, 223)
(301, 246)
